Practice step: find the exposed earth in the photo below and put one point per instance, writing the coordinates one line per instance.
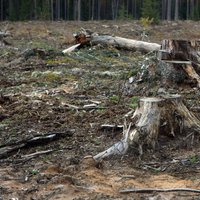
(44, 92)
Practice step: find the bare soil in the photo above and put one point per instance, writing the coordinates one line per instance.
(43, 91)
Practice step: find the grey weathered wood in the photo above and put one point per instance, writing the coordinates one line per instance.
(125, 43)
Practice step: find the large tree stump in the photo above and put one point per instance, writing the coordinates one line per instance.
(153, 117)
(185, 54)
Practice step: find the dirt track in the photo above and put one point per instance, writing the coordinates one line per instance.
(45, 93)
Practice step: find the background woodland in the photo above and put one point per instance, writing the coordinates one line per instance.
(83, 10)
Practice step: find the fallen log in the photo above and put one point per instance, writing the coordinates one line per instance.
(124, 43)
(88, 38)
(165, 115)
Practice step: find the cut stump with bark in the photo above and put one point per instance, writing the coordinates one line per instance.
(155, 116)
(183, 53)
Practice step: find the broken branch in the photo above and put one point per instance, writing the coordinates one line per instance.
(150, 190)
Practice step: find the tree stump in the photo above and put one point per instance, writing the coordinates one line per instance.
(155, 116)
(183, 53)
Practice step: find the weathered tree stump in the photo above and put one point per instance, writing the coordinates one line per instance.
(180, 50)
(153, 117)
(185, 54)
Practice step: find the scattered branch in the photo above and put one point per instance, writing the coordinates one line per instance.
(150, 190)
(32, 155)
(7, 149)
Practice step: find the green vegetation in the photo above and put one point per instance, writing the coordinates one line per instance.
(114, 99)
(83, 10)
(193, 159)
(146, 21)
(123, 13)
(47, 76)
(134, 102)
(150, 12)
(34, 171)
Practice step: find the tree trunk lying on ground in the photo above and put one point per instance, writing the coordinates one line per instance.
(153, 117)
(124, 43)
(88, 38)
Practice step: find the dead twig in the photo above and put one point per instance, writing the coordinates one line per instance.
(150, 190)
(32, 155)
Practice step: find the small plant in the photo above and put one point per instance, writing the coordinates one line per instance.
(48, 76)
(52, 77)
(193, 159)
(114, 99)
(133, 72)
(150, 12)
(46, 158)
(34, 171)
(134, 102)
(146, 21)
(97, 142)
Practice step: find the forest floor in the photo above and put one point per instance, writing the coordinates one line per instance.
(44, 92)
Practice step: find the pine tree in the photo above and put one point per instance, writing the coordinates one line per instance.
(150, 9)
(25, 8)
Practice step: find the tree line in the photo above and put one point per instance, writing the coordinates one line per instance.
(83, 10)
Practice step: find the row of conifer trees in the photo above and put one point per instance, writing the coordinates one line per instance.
(99, 9)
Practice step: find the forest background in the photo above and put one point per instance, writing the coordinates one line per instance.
(83, 10)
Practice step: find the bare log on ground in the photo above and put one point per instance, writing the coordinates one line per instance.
(86, 37)
(153, 117)
(124, 43)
